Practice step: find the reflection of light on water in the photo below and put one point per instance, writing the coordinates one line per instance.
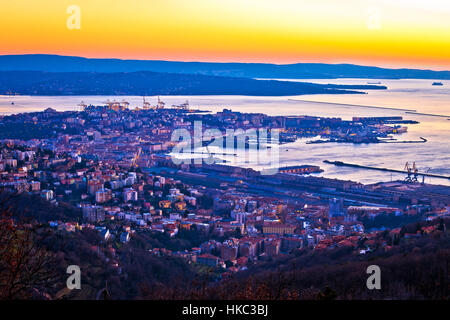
(408, 94)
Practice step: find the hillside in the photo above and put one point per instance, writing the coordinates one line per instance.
(153, 83)
(55, 63)
(412, 267)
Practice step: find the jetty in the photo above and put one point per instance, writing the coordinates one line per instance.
(422, 140)
(354, 105)
(353, 165)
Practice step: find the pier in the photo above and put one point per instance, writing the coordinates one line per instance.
(422, 140)
(345, 164)
(428, 114)
(212, 153)
(355, 105)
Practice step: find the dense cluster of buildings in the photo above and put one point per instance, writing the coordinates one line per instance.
(111, 165)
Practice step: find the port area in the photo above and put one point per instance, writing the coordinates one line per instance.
(365, 130)
(305, 188)
(345, 164)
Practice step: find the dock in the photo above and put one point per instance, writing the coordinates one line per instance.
(345, 164)
(354, 105)
(427, 114)
(422, 140)
(212, 153)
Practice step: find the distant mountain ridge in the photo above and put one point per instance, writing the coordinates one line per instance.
(56, 63)
(148, 83)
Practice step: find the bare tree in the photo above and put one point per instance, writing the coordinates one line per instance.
(26, 268)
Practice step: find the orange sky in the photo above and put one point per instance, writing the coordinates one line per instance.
(393, 33)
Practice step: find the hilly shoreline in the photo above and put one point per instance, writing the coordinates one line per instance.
(156, 83)
(57, 63)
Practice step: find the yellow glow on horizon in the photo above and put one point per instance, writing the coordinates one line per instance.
(398, 33)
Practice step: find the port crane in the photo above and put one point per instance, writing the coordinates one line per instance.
(82, 106)
(145, 104)
(160, 104)
(124, 104)
(116, 105)
(183, 106)
(412, 172)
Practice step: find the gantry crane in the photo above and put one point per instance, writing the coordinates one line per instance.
(160, 104)
(408, 169)
(116, 105)
(412, 172)
(124, 104)
(183, 106)
(82, 105)
(145, 104)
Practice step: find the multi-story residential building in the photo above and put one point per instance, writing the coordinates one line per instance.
(93, 213)
(129, 194)
(103, 195)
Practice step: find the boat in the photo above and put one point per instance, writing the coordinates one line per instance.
(437, 84)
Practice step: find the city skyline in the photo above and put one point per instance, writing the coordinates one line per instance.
(225, 158)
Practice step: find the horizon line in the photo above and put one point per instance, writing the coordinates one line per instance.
(222, 62)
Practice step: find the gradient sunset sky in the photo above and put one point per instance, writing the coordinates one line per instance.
(391, 33)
